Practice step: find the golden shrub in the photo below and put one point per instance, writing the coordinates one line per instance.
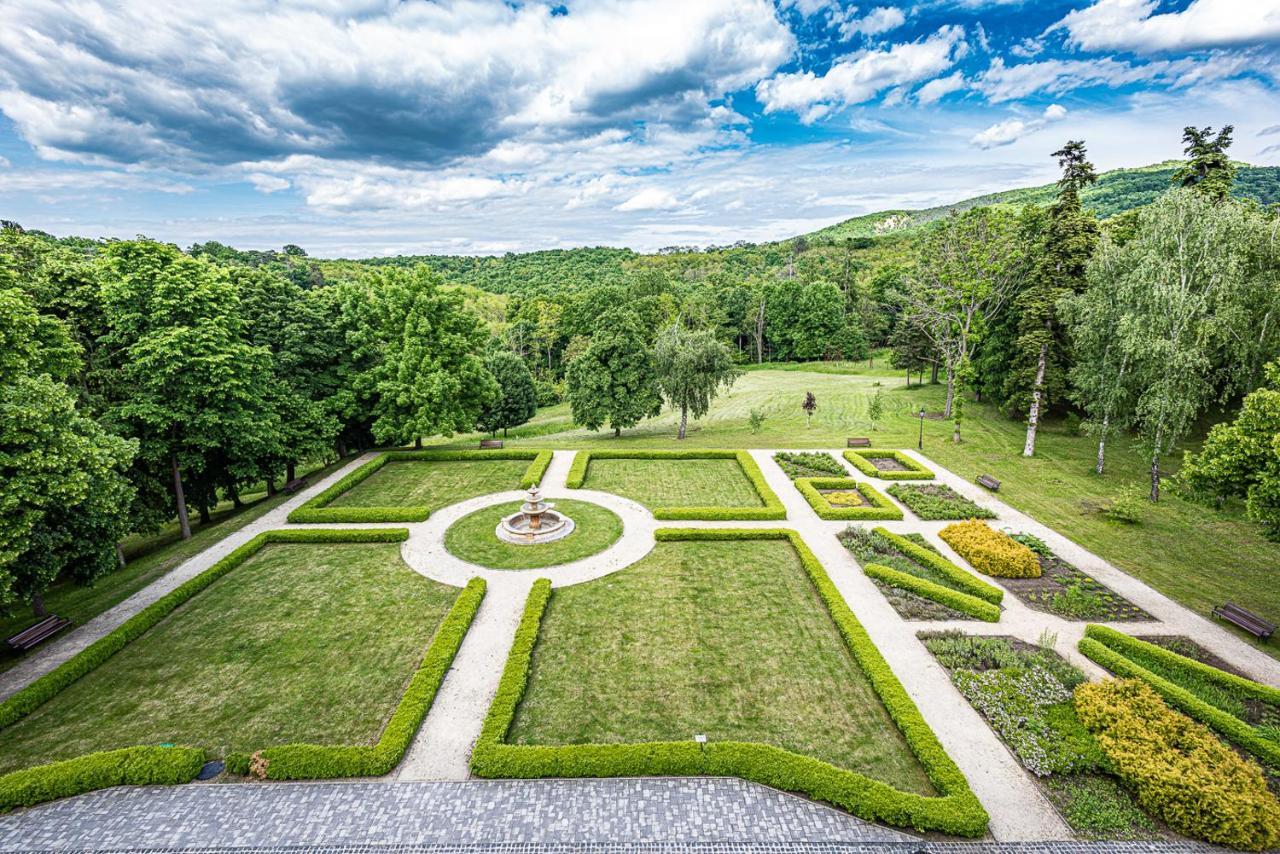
(991, 552)
(1177, 768)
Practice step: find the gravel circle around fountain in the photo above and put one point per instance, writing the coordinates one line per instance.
(472, 537)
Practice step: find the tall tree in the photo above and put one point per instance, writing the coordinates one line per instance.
(691, 369)
(1209, 170)
(192, 384)
(613, 379)
(1058, 271)
(517, 399)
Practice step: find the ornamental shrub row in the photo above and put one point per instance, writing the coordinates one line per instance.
(936, 501)
(322, 761)
(965, 581)
(991, 552)
(957, 811)
(317, 511)
(861, 460)
(1228, 725)
(771, 510)
(880, 508)
(962, 602)
(129, 766)
(1177, 769)
(22, 703)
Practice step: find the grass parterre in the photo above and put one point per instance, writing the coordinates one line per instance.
(472, 537)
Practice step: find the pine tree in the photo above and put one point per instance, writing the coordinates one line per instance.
(1209, 170)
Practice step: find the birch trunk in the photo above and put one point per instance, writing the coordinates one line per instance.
(180, 498)
(1033, 417)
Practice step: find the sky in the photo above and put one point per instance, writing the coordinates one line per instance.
(356, 128)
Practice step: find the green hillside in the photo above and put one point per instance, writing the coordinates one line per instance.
(1115, 192)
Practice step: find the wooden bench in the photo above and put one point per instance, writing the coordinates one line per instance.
(859, 443)
(989, 482)
(490, 444)
(296, 484)
(1247, 620)
(37, 634)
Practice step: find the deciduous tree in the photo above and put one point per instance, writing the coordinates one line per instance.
(691, 369)
(613, 379)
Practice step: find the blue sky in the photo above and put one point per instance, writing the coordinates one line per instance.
(368, 127)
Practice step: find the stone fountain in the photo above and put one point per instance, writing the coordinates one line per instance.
(536, 522)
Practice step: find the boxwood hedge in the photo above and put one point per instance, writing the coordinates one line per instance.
(771, 510)
(962, 602)
(957, 811)
(861, 460)
(323, 761)
(137, 764)
(880, 507)
(1107, 647)
(316, 509)
(966, 581)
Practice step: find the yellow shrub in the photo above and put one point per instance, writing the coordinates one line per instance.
(991, 552)
(1177, 768)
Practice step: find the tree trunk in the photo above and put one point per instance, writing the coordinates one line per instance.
(908, 378)
(1155, 476)
(760, 334)
(120, 555)
(203, 507)
(951, 392)
(933, 376)
(955, 435)
(341, 449)
(37, 605)
(180, 498)
(1102, 444)
(1033, 417)
(617, 432)
(290, 471)
(234, 494)
(684, 420)
(271, 487)
(417, 443)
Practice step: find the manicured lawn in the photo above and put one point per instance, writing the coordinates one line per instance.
(723, 638)
(472, 537)
(304, 642)
(674, 483)
(149, 557)
(432, 483)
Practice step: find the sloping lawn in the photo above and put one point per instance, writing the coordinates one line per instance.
(432, 483)
(728, 639)
(674, 483)
(304, 642)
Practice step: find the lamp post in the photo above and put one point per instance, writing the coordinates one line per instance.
(920, 443)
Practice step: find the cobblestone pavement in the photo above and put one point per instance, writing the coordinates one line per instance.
(371, 813)
(712, 848)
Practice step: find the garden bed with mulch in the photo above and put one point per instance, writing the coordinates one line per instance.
(809, 464)
(1065, 591)
(867, 547)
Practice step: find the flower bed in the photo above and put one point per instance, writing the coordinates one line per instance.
(808, 464)
(932, 501)
(1064, 590)
(887, 464)
(991, 552)
(843, 498)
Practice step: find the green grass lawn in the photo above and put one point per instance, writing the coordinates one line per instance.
(432, 483)
(149, 557)
(723, 638)
(472, 537)
(304, 642)
(674, 483)
(1198, 555)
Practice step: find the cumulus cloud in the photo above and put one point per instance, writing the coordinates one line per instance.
(879, 20)
(1001, 82)
(268, 183)
(1011, 130)
(1131, 25)
(935, 89)
(418, 83)
(862, 75)
(650, 199)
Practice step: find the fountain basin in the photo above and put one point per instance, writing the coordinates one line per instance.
(536, 522)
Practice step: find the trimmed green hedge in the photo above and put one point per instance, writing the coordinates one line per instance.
(772, 509)
(130, 766)
(860, 460)
(966, 581)
(322, 761)
(316, 511)
(1098, 643)
(881, 507)
(957, 811)
(22, 703)
(962, 602)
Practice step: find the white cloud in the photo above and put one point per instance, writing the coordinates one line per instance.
(1130, 25)
(267, 183)
(1001, 82)
(935, 89)
(1027, 48)
(809, 8)
(4, 162)
(862, 75)
(879, 20)
(1011, 130)
(650, 199)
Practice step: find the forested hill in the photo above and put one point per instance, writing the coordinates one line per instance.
(1115, 192)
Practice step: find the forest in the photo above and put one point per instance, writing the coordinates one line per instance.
(141, 382)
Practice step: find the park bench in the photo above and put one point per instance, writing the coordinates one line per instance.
(296, 484)
(1247, 620)
(989, 482)
(490, 444)
(859, 443)
(40, 632)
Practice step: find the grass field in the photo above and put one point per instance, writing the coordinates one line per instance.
(722, 638)
(1200, 556)
(149, 557)
(432, 483)
(674, 483)
(309, 642)
(472, 538)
